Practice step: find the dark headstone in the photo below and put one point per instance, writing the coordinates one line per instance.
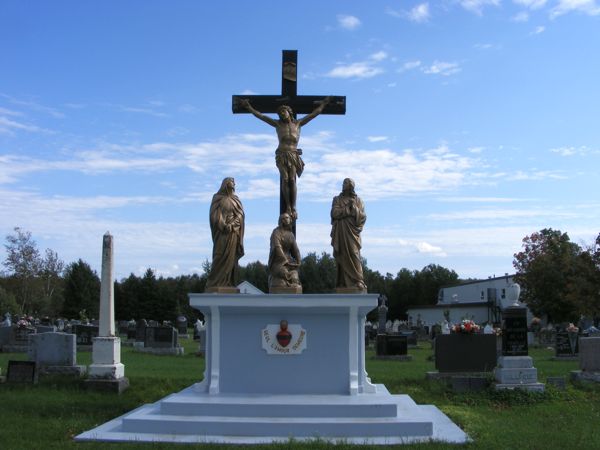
(140, 334)
(160, 337)
(85, 334)
(21, 335)
(411, 337)
(514, 332)
(396, 345)
(557, 382)
(182, 325)
(21, 372)
(123, 327)
(566, 343)
(45, 329)
(391, 345)
(459, 352)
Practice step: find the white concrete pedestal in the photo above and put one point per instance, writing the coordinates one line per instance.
(106, 359)
(517, 372)
(281, 367)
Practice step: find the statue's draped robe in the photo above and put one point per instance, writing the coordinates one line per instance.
(225, 209)
(283, 250)
(346, 226)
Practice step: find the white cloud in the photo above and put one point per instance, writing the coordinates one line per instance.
(425, 247)
(8, 112)
(420, 13)
(531, 4)
(34, 106)
(387, 173)
(538, 30)
(148, 111)
(442, 68)
(377, 138)
(348, 22)
(477, 6)
(501, 214)
(522, 16)
(480, 199)
(9, 126)
(589, 7)
(364, 69)
(572, 151)
(409, 65)
(378, 56)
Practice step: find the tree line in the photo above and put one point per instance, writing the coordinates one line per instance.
(560, 279)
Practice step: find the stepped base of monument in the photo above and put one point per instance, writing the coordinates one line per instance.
(192, 416)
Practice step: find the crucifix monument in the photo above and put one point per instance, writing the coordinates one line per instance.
(287, 105)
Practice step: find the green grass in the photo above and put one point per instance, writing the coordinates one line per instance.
(49, 414)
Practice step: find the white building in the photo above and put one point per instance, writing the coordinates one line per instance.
(481, 301)
(246, 287)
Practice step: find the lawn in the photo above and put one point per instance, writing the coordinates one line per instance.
(49, 414)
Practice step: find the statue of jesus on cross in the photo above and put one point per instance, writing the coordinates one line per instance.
(287, 105)
(287, 155)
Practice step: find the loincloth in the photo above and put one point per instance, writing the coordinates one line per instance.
(289, 159)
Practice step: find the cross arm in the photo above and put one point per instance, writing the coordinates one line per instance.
(301, 104)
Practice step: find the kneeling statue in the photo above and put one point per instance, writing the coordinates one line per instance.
(284, 259)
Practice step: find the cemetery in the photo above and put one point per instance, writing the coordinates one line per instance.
(297, 369)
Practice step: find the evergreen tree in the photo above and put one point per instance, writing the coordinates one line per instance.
(81, 291)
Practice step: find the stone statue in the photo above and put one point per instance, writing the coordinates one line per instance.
(347, 220)
(284, 259)
(287, 155)
(7, 320)
(227, 228)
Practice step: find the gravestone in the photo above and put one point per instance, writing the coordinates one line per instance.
(161, 340)
(85, 335)
(464, 353)
(18, 339)
(566, 344)
(411, 337)
(182, 327)
(5, 336)
(45, 329)
(123, 327)
(140, 335)
(21, 372)
(382, 314)
(131, 330)
(55, 353)
(514, 333)
(515, 368)
(589, 360)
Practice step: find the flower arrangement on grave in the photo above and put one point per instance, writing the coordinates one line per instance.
(23, 323)
(536, 324)
(572, 328)
(466, 326)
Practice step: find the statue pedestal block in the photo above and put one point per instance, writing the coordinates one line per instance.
(285, 290)
(341, 290)
(281, 367)
(222, 290)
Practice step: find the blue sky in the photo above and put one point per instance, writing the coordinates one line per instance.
(470, 124)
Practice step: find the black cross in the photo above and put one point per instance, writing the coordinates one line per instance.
(300, 104)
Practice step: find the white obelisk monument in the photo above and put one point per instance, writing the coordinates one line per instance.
(106, 371)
